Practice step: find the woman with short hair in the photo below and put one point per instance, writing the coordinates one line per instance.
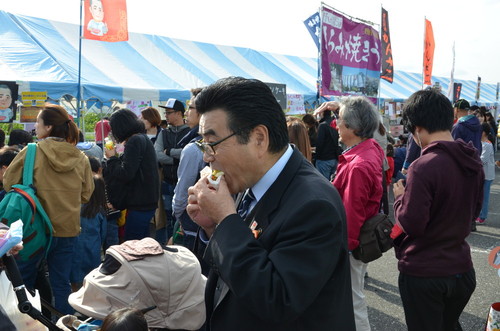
(359, 182)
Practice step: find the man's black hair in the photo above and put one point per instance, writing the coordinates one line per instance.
(247, 103)
(124, 123)
(428, 109)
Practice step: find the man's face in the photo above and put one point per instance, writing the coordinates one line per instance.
(5, 98)
(97, 11)
(192, 116)
(173, 117)
(236, 160)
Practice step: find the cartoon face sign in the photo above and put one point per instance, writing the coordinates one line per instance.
(96, 10)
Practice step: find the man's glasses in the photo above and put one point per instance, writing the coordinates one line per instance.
(208, 148)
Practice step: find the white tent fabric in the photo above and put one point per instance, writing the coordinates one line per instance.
(42, 55)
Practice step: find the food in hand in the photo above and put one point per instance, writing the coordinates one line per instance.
(109, 144)
(213, 176)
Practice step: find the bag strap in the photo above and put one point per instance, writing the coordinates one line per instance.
(29, 164)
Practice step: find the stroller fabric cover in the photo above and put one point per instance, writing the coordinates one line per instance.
(141, 274)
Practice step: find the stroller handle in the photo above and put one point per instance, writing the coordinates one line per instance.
(24, 305)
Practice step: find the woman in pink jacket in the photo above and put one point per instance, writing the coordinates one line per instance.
(359, 182)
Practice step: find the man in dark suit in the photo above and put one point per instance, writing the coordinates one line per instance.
(284, 264)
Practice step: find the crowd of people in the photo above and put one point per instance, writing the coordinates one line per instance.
(274, 234)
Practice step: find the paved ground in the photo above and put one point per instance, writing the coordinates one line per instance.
(384, 304)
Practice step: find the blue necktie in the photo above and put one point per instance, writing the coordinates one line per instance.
(245, 203)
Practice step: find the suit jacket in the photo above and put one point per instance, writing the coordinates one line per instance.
(295, 276)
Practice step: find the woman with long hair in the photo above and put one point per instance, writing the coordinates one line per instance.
(132, 178)
(63, 181)
(297, 134)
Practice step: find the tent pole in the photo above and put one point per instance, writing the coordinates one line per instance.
(79, 92)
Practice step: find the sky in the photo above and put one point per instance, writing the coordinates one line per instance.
(277, 26)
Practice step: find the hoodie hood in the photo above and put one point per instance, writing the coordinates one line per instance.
(471, 122)
(465, 155)
(61, 155)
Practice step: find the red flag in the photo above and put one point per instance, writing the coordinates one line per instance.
(387, 64)
(105, 20)
(428, 52)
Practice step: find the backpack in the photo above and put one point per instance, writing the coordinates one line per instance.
(374, 238)
(22, 203)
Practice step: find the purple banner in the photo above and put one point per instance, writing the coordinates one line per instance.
(350, 56)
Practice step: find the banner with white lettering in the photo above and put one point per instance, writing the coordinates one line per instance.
(350, 56)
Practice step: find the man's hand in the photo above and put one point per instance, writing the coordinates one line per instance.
(398, 188)
(207, 206)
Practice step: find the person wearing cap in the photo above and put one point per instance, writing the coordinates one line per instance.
(468, 128)
(169, 154)
(281, 262)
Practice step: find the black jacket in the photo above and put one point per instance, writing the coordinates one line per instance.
(327, 143)
(132, 180)
(295, 276)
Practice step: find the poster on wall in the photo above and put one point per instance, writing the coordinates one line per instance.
(137, 106)
(8, 98)
(32, 104)
(295, 104)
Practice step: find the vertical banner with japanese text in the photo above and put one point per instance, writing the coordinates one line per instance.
(387, 62)
(105, 20)
(457, 90)
(478, 89)
(498, 90)
(428, 52)
(313, 26)
(350, 56)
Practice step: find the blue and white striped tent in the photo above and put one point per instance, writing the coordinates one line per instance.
(42, 55)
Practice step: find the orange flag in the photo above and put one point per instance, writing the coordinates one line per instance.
(105, 20)
(428, 52)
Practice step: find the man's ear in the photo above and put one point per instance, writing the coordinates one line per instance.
(260, 136)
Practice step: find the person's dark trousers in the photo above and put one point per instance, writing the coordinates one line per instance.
(137, 224)
(111, 230)
(435, 304)
(167, 193)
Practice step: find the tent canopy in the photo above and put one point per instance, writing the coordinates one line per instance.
(42, 55)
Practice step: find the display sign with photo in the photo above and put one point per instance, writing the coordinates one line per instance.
(8, 98)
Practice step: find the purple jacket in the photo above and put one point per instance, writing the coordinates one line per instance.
(443, 194)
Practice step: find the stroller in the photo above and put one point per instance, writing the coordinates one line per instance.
(164, 281)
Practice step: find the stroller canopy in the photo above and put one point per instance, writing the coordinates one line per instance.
(141, 274)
